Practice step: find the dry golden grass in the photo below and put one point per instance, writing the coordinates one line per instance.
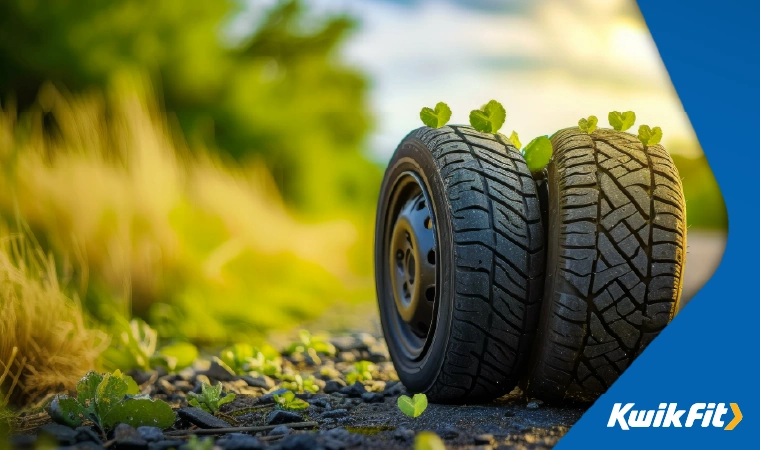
(46, 346)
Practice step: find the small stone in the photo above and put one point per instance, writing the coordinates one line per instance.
(127, 438)
(85, 434)
(533, 405)
(216, 373)
(403, 434)
(346, 357)
(341, 439)
(269, 398)
(280, 430)
(239, 441)
(332, 386)
(394, 388)
(484, 439)
(347, 343)
(448, 433)
(262, 381)
(321, 403)
(335, 414)
(201, 418)
(22, 441)
(87, 445)
(279, 416)
(509, 414)
(151, 434)
(305, 441)
(63, 434)
(355, 390)
(166, 445)
(373, 397)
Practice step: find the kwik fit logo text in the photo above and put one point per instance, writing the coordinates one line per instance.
(669, 415)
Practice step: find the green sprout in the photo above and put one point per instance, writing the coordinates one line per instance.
(588, 126)
(538, 153)
(300, 385)
(107, 400)
(242, 359)
(289, 401)
(650, 136)
(413, 406)
(312, 345)
(621, 121)
(489, 118)
(210, 399)
(515, 140)
(436, 118)
(361, 371)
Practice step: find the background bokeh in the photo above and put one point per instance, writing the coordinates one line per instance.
(212, 167)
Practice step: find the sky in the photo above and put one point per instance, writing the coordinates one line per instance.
(549, 62)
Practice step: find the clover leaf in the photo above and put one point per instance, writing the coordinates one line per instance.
(210, 399)
(489, 118)
(588, 126)
(107, 400)
(621, 121)
(538, 153)
(436, 118)
(650, 136)
(414, 406)
(515, 140)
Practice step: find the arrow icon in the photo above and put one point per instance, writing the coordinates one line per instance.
(737, 417)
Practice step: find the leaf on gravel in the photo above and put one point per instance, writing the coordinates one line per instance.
(67, 411)
(289, 401)
(489, 118)
(139, 412)
(538, 153)
(650, 136)
(621, 121)
(436, 118)
(588, 126)
(427, 440)
(515, 140)
(414, 406)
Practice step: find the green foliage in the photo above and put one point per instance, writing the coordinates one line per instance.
(6, 418)
(361, 371)
(515, 140)
(244, 358)
(705, 208)
(588, 126)
(414, 406)
(290, 402)
(650, 136)
(489, 118)
(177, 356)
(313, 345)
(107, 400)
(299, 385)
(621, 121)
(210, 399)
(538, 153)
(196, 443)
(436, 118)
(135, 348)
(427, 440)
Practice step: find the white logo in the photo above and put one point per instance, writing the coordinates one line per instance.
(668, 415)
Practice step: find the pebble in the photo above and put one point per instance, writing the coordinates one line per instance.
(347, 357)
(83, 446)
(151, 434)
(240, 441)
(63, 434)
(85, 434)
(484, 439)
(341, 439)
(127, 438)
(373, 397)
(533, 405)
(269, 398)
(305, 441)
(280, 430)
(279, 416)
(403, 434)
(335, 414)
(394, 388)
(321, 403)
(22, 441)
(166, 445)
(448, 433)
(216, 373)
(355, 390)
(347, 343)
(263, 381)
(201, 418)
(333, 386)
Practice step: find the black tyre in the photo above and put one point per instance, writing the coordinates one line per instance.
(616, 243)
(459, 263)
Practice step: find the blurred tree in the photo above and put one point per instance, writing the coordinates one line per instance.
(280, 94)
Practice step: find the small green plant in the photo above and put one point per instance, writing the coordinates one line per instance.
(290, 402)
(538, 153)
(361, 371)
(176, 356)
(621, 121)
(210, 399)
(588, 126)
(312, 345)
(489, 118)
(136, 348)
(242, 359)
(515, 140)
(329, 372)
(427, 440)
(195, 443)
(107, 400)
(650, 136)
(299, 385)
(436, 118)
(413, 406)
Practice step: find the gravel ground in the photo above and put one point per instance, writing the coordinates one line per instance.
(362, 415)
